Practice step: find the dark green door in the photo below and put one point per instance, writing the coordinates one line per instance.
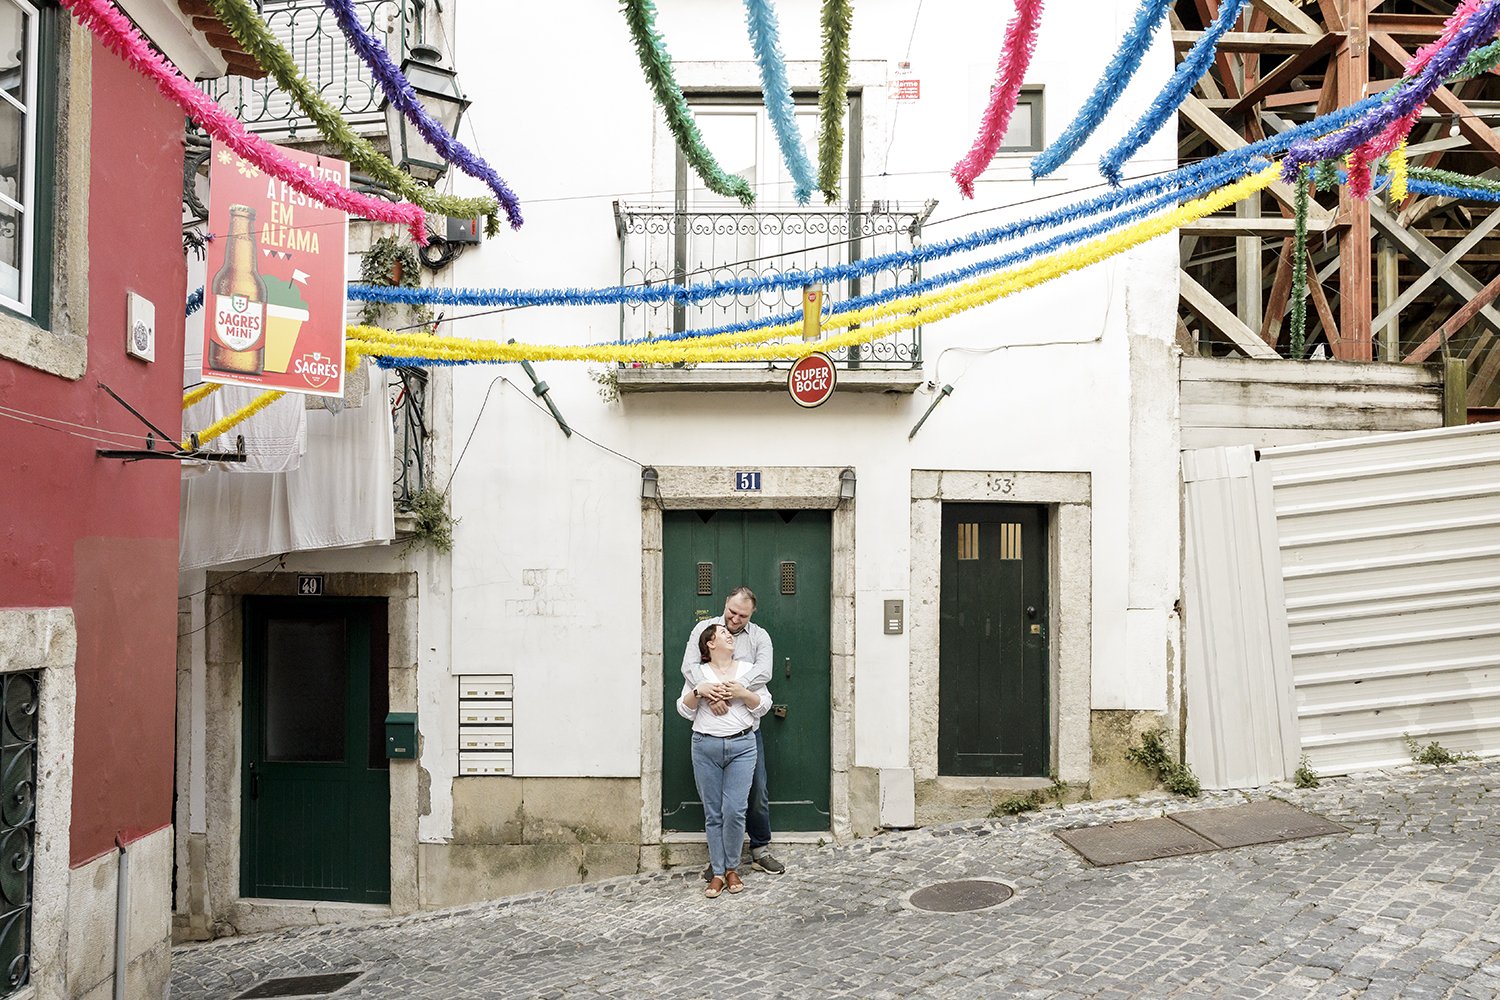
(785, 557)
(992, 683)
(316, 816)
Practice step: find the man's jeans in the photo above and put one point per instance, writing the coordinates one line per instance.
(724, 768)
(758, 816)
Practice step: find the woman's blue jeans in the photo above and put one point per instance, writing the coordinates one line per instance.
(723, 768)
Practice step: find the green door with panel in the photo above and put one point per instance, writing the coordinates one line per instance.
(992, 680)
(315, 822)
(785, 557)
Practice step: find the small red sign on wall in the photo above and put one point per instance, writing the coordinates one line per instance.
(906, 89)
(812, 379)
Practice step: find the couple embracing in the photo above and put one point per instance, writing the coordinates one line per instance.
(725, 669)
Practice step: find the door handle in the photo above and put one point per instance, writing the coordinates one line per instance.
(254, 782)
(788, 668)
(1031, 612)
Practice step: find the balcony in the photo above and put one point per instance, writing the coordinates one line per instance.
(308, 30)
(660, 244)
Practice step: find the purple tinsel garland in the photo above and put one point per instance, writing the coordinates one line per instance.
(1478, 30)
(397, 90)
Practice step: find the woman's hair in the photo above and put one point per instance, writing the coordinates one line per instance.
(703, 639)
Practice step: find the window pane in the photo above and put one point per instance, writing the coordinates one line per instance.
(10, 252)
(307, 665)
(730, 135)
(13, 51)
(15, 90)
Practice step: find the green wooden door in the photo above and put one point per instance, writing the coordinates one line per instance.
(316, 788)
(785, 557)
(992, 683)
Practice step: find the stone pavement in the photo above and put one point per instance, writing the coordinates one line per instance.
(1404, 905)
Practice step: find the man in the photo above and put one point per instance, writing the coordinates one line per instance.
(752, 644)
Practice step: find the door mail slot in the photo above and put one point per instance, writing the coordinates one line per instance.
(484, 737)
(484, 762)
(484, 713)
(401, 736)
(496, 686)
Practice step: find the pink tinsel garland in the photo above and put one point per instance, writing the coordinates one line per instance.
(1020, 42)
(116, 33)
(1382, 145)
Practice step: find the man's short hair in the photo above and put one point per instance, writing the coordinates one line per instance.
(743, 592)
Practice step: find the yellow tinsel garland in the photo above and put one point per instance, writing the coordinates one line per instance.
(199, 394)
(913, 311)
(1397, 163)
(234, 419)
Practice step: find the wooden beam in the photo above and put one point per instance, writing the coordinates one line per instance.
(1289, 16)
(1455, 323)
(1248, 284)
(1413, 27)
(1270, 327)
(1455, 392)
(1224, 225)
(1208, 12)
(1219, 317)
(1249, 41)
(1479, 385)
(1290, 68)
(1226, 138)
(1320, 304)
(1354, 343)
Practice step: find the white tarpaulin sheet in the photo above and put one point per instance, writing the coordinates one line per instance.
(338, 494)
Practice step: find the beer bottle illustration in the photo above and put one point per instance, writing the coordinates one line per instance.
(237, 342)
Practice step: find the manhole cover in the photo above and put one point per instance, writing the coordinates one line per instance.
(301, 986)
(1268, 822)
(1134, 840)
(961, 897)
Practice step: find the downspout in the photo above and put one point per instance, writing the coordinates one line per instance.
(122, 917)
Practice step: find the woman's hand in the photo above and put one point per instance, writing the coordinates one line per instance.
(717, 694)
(738, 690)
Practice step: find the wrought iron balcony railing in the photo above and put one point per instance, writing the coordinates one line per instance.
(660, 244)
(308, 30)
(408, 394)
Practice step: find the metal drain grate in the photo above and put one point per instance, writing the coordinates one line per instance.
(301, 986)
(961, 897)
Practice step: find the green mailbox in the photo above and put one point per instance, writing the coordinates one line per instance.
(401, 736)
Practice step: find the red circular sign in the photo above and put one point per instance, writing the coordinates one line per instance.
(812, 379)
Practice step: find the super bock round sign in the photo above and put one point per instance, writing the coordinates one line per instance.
(812, 379)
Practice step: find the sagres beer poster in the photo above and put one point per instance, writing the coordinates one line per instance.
(274, 298)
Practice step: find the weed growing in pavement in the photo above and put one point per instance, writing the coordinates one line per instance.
(1305, 776)
(1151, 753)
(1058, 790)
(1433, 753)
(1015, 805)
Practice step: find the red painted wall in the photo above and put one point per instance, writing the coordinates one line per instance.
(100, 535)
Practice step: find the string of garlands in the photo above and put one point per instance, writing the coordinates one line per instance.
(195, 396)
(765, 41)
(256, 38)
(859, 326)
(397, 89)
(232, 420)
(1117, 75)
(1010, 73)
(1474, 32)
(1224, 164)
(1173, 92)
(640, 16)
(1297, 332)
(833, 81)
(194, 302)
(116, 33)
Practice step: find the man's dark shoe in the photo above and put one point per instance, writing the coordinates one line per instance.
(769, 865)
(708, 872)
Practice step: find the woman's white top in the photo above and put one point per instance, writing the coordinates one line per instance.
(739, 717)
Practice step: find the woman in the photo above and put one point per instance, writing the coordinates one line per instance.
(723, 750)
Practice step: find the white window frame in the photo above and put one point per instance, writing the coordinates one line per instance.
(26, 206)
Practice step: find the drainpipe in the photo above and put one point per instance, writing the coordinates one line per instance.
(122, 917)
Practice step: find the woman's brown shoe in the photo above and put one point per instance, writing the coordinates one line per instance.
(716, 886)
(732, 881)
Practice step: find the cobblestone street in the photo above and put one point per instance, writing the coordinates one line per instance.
(1404, 905)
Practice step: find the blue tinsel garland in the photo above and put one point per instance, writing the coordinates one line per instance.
(195, 302)
(1193, 66)
(687, 294)
(1111, 85)
(778, 96)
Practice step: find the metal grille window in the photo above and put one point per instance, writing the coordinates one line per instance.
(705, 579)
(789, 578)
(20, 76)
(18, 748)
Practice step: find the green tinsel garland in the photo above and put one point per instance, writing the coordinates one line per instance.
(1298, 332)
(837, 16)
(640, 15)
(256, 39)
(1479, 61)
(1449, 177)
(1326, 175)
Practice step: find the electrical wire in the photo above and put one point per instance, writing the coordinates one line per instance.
(130, 438)
(232, 576)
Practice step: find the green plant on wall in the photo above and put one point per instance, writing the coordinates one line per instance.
(394, 264)
(1151, 753)
(434, 525)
